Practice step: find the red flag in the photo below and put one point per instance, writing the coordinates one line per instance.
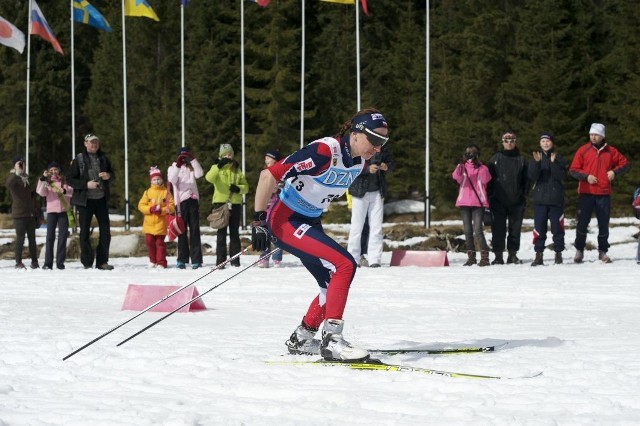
(364, 7)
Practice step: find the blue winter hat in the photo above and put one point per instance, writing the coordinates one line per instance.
(182, 150)
(367, 123)
(274, 153)
(53, 164)
(17, 158)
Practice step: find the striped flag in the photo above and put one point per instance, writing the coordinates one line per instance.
(40, 27)
(84, 13)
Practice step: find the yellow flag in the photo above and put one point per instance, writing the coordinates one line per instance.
(341, 1)
(139, 8)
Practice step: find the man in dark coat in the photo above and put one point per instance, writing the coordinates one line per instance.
(23, 212)
(507, 198)
(90, 175)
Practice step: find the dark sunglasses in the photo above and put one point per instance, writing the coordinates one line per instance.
(375, 139)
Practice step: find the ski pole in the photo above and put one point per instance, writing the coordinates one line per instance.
(266, 256)
(154, 304)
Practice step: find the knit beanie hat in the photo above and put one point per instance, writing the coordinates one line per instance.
(154, 171)
(546, 135)
(273, 153)
(598, 129)
(53, 164)
(225, 149)
(16, 159)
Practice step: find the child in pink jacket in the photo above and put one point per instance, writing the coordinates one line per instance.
(473, 176)
(58, 195)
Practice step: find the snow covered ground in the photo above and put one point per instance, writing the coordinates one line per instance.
(579, 324)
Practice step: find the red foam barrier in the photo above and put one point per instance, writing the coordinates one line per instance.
(419, 258)
(140, 297)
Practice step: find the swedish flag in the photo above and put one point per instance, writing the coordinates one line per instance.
(84, 13)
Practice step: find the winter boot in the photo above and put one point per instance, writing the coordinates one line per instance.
(579, 256)
(512, 258)
(484, 258)
(471, 258)
(302, 341)
(602, 256)
(498, 259)
(558, 259)
(335, 348)
(538, 260)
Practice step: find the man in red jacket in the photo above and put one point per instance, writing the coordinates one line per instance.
(595, 165)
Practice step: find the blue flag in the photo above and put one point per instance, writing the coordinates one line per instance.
(84, 13)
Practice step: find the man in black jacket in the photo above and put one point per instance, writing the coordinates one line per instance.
(89, 175)
(367, 200)
(507, 197)
(22, 212)
(546, 171)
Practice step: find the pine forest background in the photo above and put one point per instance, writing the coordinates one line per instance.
(530, 66)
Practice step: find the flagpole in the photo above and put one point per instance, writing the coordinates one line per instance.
(358, 53)
(28, 88)
(182, 71)
(73, 89)
(126, 148)
(244, 197)
(427, 202)
(302, 81)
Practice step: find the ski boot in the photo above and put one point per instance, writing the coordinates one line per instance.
(335, 348)
(302, 341)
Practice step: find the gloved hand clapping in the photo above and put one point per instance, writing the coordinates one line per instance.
(155, 209)
(260, 235)
(234, 189)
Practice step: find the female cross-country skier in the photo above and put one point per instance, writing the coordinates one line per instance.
(314, 176)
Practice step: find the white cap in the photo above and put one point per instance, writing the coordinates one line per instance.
(597, 129)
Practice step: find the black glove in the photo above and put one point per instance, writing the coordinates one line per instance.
(223, 162)
(260, 235)
(234, 189)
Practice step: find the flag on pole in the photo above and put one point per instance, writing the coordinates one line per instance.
(11, 36)
(263, 3)
(139, 8)
(363, 2)
(84, 13)
(40, 27)
(184, 2)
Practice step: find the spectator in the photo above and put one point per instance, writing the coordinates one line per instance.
(546, 171)
(90, 176)
(367, 201)
(507, 197)
(270, 158)
(473, 176)
(595, 165)
(364, 236)
(155, 204)
(229, 186)
(23, 212)
(183, 174)
(53, 188)
(313, 176)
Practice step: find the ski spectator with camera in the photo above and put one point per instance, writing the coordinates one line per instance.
(367, 205)
(23, 212)
(472, 176)
(183, 175)
(57, 192)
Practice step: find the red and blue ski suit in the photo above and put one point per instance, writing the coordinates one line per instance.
(314, 176)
